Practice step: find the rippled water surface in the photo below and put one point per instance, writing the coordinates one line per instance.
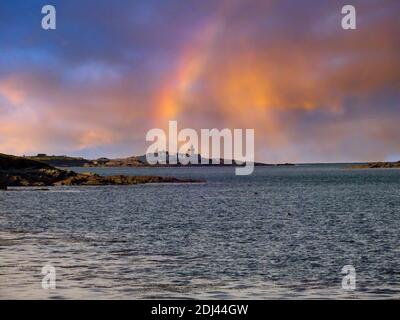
(284, 232)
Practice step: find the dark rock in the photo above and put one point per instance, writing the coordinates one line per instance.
(16, 171)
(89, 179)
(3, 185)
(377, 165)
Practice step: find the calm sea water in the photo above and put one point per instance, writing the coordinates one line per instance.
(281, 233)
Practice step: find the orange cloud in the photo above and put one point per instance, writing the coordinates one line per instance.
(299, 82)
(95, 138)
(11, 91)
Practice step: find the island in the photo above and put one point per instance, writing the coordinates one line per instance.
(20, 171)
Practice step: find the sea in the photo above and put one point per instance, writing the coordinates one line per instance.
(290, 232)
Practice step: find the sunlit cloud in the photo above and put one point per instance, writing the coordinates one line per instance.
(311, 91)
(11, 92)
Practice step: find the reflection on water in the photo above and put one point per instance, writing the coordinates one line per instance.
(281, 233)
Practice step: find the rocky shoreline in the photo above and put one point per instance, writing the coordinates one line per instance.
(377, 165)
(23, 172)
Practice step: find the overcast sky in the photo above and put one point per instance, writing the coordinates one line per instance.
(112, 70)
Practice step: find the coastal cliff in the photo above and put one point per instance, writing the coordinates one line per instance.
(19, 171)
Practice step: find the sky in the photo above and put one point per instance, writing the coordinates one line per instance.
(112, 70)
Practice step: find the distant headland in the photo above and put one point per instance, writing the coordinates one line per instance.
(133, 161)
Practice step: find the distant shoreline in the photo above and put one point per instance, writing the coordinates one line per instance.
(141, 162)
(134, 161)
(24, 172)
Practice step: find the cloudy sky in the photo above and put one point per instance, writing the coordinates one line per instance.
(112, 70)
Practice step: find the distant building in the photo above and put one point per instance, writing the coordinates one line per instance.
(41, 155)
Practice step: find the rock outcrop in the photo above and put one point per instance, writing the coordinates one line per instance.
(90, 179)
(17, 171)
(375, 165)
